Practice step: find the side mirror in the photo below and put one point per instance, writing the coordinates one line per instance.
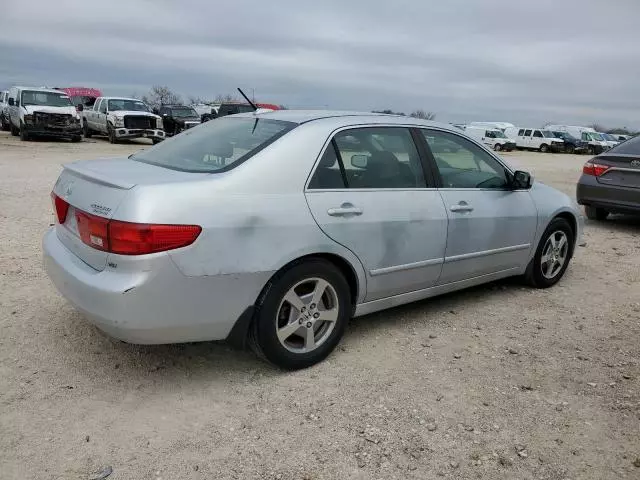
(359, 161)
(80, 107)
(521, 180)
(11, 102)
(164, 115)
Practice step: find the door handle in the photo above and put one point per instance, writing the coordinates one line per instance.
(344, 210)
(461, 207)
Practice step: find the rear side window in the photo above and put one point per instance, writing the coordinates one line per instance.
(630, 147)
(214, 146)
(527, 133)
(328, 174)
(521, 132)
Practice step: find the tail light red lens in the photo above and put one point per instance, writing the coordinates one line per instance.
(125, 238)
(139, 238)
(60, 207)
(594, 169)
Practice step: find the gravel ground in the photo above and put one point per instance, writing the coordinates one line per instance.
(496, 382)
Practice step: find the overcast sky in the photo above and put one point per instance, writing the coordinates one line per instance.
(525, 62)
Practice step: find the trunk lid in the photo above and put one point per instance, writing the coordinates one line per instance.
(624, 170)
(98, 187)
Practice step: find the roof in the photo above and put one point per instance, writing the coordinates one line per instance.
(38, 89)
(346, 117)
(123, 98)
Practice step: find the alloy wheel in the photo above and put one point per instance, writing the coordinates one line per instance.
(307, 315)
(554, 254)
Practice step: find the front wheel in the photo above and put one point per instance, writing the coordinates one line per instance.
(155, 141)
(570, 149)
(594, 213)
(302, 316)
(112, 135)
(544, 148)
(497, 147)
(552, 255)
(24, 135)
(86, 130)
(15, 131)
(591, 150)
(76, 138)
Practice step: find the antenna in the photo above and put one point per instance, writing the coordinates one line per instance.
(247, 99)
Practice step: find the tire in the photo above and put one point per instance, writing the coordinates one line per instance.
(497, 147)
(86, 130)
(273, 312)
(111, 133)
(76, 138)
(155, 141)
(14, 131)
(5, 125)
(594, 213)
(538, 274)
(570, 149)
(591, 150)
(544, 148)
(24, 135)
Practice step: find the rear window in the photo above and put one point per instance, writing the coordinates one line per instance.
(215, 146)
(630, 147)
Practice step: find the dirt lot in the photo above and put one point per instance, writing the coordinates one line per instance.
(497, 382)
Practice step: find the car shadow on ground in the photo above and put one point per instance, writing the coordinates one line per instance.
(618, 223)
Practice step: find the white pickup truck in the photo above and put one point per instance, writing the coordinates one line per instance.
(122, 118)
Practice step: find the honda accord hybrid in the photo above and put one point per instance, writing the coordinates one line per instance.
(274, 229)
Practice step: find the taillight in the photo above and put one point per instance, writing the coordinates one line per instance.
(125, 238)
(594, 169)
(140, 238)
(60, 207)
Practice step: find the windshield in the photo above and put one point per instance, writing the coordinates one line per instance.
(498, 134)
(49, 99)
(595, 136)
(182, 112)
(608, 137)
(127, 105)
(548, 134)
(217, 145)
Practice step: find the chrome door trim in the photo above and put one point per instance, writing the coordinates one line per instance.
(467, 256)
(406, 266)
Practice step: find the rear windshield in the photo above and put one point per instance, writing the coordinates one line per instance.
(214, 146)
(630, 147)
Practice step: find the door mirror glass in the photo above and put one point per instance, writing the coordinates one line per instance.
(11, 102)
(359, 161)
(521, 180)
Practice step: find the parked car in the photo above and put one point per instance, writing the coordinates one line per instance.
(620, 138)
(42, 112)
(609, 139)
(177, 118)
(82, 96)
(205, 238)
(207, 112)
(571, 143)
(493, 138)
(4, 110)
(122, 119)
(595, 143)
(610, 182)
(535, 139)
(233, 108)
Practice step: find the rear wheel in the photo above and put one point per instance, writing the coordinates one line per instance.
(544, 148)
(497, 147)
(594, 213)
(302, 316)
(552, 255)
(570, 149)
(5, 124)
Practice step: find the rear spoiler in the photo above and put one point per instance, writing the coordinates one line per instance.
(88, 174)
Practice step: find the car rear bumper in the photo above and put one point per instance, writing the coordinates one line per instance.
(152, 305)
(139, 133)
(609, 197)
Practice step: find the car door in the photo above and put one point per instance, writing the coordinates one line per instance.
(369, 193)
(491, 227)
(537, 139)
(526, 139)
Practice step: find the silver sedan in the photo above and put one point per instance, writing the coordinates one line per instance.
(276, 228)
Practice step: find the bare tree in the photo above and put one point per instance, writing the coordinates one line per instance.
(387, 112)
(195, 100)
(159, 95)
(225, 98)
(421, 114)
(597, 127)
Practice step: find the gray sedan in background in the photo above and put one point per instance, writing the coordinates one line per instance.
(279, 227)
(610, 182)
